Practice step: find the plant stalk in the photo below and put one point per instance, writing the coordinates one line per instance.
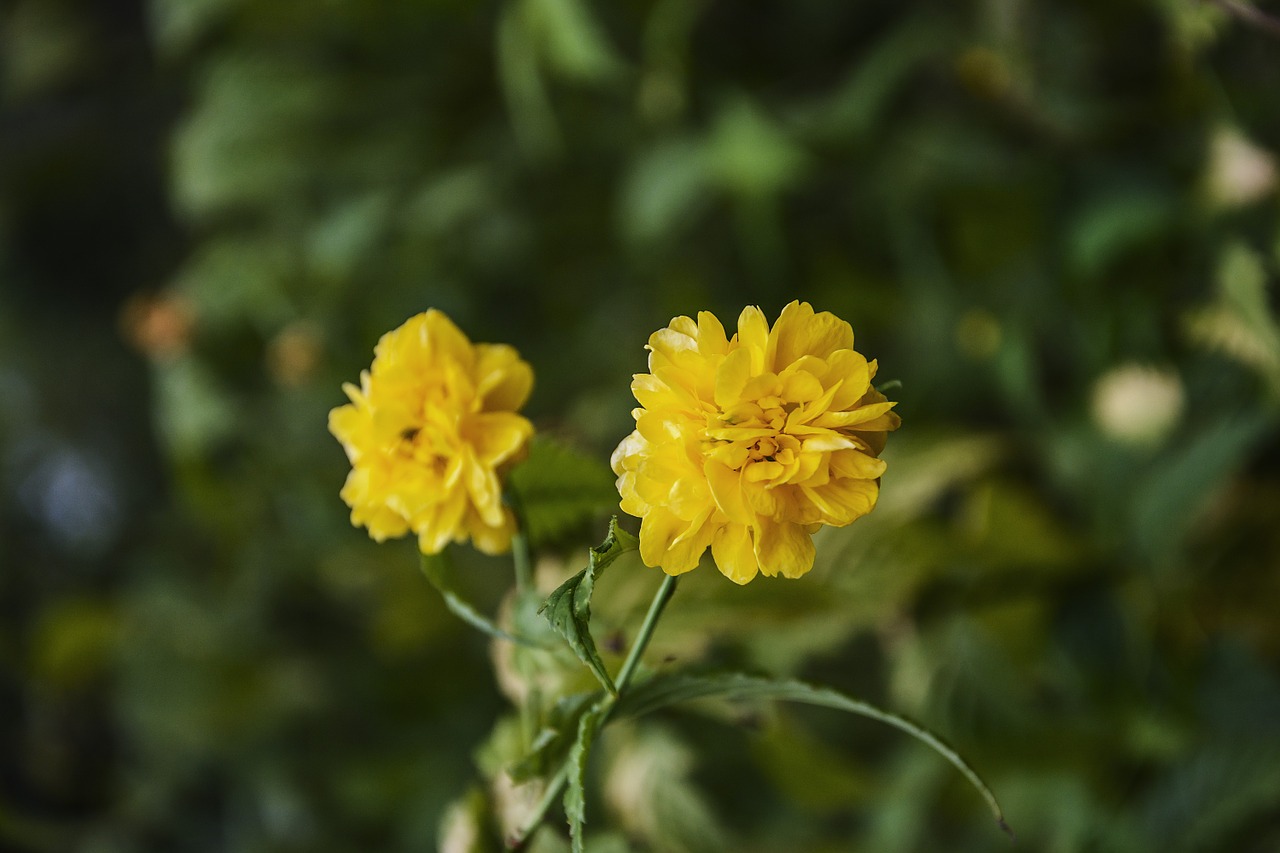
(659, 603)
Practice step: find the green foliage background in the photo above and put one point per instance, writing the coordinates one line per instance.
(1009, 200)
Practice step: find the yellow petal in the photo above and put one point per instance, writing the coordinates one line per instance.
(670, 343)
(851, 371)
(445, 340)
(731, 377)
(734, 553)
(658, 530)
(726, 489)
(347, 423)
(491, 539)
(800, 332)
(711, 337)
(497, 436)
(843, 501)
(486, 493)
(857, 465)
(503, 379)
(855, 417)
(783, 549)
(800, 387)
(626, 455)
(753, 335)
(685, 326)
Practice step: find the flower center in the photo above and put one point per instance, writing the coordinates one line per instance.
(763, 448)
(752, 434)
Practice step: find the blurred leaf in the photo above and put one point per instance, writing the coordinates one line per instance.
(664, 690)
(663, 190)
(177, 24)
(532, 119)
(339, 241)
(923, 467)
(245, 143)
(1115, 223)
(572, 41)
(1240, 322)
(1242, 284)
(1010, 527)
(74, 642)
(449, 200)
(1212, 793)
(193, 410)
(238, 282)
(464, 826)
(807, 770)
(44, 46)
(749, 155)
(560, 492)
(552, 744)
(438, 569)
(1167, 502)
(568, 609)
(652, 788)
(856, 106)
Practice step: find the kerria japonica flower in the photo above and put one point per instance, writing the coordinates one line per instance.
(430, 432)
(749, 444)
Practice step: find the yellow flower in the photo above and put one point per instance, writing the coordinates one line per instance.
(749, 445)
(429, 431)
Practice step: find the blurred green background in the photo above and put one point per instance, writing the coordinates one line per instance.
(1056, 223)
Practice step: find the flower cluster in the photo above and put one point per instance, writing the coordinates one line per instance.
(749, 444)
(429, 431)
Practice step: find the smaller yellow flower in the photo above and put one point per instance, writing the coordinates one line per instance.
(429, 433)
(749, 444)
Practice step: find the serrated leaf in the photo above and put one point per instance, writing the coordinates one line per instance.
(575, 799)
(569, 607)
(664, 690)
(439, 571)
(551, 745)
(559, 490)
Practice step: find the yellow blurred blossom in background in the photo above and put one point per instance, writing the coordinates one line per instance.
(429, 433)
(748, 445)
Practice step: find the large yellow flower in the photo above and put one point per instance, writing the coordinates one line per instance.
(429, 431)
(748, 445)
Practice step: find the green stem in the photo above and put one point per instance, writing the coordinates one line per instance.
(660, 599)
(556, 786)
(524, 565)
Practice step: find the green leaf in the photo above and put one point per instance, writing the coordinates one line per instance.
(575, 800)
(669, 689)
(551, 745)
(438, 569)
(1168, 502)
(559, 491)
(571, 40)
(569, 607)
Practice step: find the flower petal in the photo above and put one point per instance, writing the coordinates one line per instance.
(726, 489)
(503, 380)
(800, 332)
(783, 549)
(658, 531)
(734, 553)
